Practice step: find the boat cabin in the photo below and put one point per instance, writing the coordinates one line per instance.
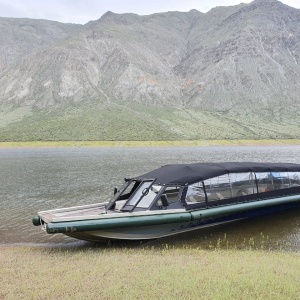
(204, 185)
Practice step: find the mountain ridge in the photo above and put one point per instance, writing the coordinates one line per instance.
(233, 64)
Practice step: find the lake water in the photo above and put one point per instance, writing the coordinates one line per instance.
(39, 179)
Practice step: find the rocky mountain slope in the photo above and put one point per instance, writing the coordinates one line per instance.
(20, 37)
(230, 73)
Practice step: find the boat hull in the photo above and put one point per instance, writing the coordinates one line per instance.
(191, 221)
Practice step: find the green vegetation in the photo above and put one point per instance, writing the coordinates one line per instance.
(54, 144)
(118, 122)
(147, 273)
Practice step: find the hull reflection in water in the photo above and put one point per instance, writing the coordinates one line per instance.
(179, 198)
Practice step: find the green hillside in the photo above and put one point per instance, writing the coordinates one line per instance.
(138, 122)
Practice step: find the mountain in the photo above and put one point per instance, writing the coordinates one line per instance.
(20, 37)
(229, 73)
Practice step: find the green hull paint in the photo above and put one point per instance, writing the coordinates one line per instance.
(136, 221)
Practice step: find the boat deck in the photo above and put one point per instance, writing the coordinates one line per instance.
(52, 215)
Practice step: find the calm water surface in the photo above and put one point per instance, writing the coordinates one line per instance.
(39, 179)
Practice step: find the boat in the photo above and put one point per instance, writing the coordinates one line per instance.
(178, 198)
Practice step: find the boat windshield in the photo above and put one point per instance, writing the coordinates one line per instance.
(119, 192)
(143, 196)
(122, 195)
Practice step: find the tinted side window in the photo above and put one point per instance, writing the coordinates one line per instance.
(270, 181)
(264, 182)
(294, 178)
(242, 184)
(280, 180)
(195, 193)
(171, 193)
(218, 188)
(230, 186)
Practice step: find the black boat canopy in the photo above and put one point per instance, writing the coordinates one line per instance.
(182, 174)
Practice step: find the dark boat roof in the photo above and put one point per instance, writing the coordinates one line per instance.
(182, 174)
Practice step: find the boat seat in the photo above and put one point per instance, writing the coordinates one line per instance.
(192, 199)
(119, 204)
(220, 196)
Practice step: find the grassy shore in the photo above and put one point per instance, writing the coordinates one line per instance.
(145, 273)
(54, 144)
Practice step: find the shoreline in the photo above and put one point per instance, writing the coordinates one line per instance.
(178, 143)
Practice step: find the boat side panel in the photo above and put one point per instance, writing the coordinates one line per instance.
(203, 213)
(133, 221)
(132, 233)
(158, 231)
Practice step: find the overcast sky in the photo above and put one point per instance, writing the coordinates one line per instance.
(82, 11)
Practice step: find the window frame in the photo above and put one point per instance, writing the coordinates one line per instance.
(130, 208)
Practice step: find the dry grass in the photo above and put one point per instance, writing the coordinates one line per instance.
(50, 144)
(141, 273)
